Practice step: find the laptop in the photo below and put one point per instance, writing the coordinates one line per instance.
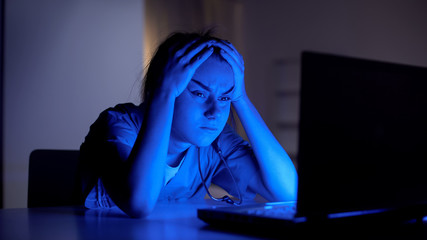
(362, 153)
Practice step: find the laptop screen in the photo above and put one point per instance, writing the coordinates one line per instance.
(363, 135)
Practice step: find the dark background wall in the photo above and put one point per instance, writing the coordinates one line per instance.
(276, 32)
(65, 62)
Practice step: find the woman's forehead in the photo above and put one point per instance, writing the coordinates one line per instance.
(215, 72)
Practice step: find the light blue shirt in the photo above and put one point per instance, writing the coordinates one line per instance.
(121, 125)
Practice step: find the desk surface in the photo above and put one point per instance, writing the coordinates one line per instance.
(168, 221)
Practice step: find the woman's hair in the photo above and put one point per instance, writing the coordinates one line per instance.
(156, 66)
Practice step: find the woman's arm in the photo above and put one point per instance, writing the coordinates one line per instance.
(135, 184)
(277, 170)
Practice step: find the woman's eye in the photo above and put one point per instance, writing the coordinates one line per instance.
(224, 98)
(199, 94)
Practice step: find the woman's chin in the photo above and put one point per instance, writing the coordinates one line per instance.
(204, 142)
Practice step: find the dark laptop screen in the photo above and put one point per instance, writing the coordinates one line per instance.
(363, 135)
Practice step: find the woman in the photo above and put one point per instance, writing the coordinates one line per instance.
(177, 141)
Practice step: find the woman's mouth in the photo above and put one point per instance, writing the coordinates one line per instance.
(209, 129)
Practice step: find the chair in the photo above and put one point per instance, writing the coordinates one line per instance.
(53, 178)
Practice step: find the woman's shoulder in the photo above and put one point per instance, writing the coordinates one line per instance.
(125, 109)
(123, 113)
(229, 136)
(112, 121)
(119, 123)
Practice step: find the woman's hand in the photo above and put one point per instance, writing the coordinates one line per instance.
(233, 57)
(182, 65)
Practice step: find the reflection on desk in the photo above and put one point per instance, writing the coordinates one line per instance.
(168, 221)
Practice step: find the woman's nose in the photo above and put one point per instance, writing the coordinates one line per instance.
(213, 111)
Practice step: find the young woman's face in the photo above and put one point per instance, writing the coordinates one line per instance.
(202, 110)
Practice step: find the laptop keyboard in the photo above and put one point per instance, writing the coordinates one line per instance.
(275, 211)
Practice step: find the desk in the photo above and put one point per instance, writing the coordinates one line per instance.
(167, 221)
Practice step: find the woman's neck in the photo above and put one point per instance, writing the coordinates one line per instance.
(176, 152)
(175, 159)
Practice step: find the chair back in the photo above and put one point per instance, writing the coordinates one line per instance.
(53, 178)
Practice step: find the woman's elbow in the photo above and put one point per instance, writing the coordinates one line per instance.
(136, 207)
(289, 192)
(293, 189)
(139, 210)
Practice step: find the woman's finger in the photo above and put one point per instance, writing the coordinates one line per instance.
(232, 60)
(192, 50)
(181, 50)
(229, 48)
(200, 57)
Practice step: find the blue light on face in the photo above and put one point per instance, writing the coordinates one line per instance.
(202, 110)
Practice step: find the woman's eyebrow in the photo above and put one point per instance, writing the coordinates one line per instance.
(201, 85)
(229, 90)
(208, 88)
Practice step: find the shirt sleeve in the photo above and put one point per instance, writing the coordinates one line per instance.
(241, 161)
(110, 139)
